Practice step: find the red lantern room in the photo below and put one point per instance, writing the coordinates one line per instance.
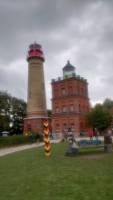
(35, 51)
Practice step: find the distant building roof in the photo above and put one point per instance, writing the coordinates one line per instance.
(35, 46)
(68, 67)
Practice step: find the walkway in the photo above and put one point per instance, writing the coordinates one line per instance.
(10, 150)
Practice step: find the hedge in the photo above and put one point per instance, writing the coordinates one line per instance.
(16, 140)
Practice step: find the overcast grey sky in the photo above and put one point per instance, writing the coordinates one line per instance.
(77, 30)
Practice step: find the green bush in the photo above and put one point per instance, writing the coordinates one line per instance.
(16, 140)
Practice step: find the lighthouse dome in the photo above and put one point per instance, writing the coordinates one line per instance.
(68, 69)
(35, 51)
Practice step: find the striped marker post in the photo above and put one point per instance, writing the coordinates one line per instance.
(47, 145)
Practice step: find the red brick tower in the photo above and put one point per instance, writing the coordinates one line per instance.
(70, 102)
(36, 102)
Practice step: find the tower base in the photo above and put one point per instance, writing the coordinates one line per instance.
(34, 125)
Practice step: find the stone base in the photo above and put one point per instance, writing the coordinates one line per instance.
(72, 151)
(34, 125)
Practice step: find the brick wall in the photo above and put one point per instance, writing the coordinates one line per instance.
(69, 104)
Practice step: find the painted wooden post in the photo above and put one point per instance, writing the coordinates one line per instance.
(47, 145)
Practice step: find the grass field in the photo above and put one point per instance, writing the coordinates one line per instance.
(28, 175)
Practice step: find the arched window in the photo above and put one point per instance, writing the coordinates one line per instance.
(63, 91)
(57, 127)
(64, 109)
(57, 109)
(72, 127)
(71, 107)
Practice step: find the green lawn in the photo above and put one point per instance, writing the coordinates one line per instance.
(29, 175)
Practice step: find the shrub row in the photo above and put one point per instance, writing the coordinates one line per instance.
(16, 140)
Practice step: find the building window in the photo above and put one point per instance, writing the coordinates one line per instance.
(64, 109)
(57, 127)
(70, 90)
(81, 125)
(82, 91)
(64, 129)
(79, 108)
(64, 125)
(56, 93)
(72, 127)
(57, 110)
(63, 91)
(78, 89)
(71, 108)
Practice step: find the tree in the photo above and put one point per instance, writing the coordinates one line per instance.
(4, 123)
(108, 103)
(18, 112)
(4, 111)
(99, 117)
(12, 112)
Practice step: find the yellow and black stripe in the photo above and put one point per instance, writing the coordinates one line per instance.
(47, 145)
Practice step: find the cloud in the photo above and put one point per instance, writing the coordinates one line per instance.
(67, 29)
(12, 78)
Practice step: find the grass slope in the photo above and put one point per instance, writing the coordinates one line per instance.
(28, 175)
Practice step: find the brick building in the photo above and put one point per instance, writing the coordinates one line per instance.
(70, 102)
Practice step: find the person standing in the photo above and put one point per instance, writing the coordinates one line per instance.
(90, 134)
(108, 141)
(73, 147)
